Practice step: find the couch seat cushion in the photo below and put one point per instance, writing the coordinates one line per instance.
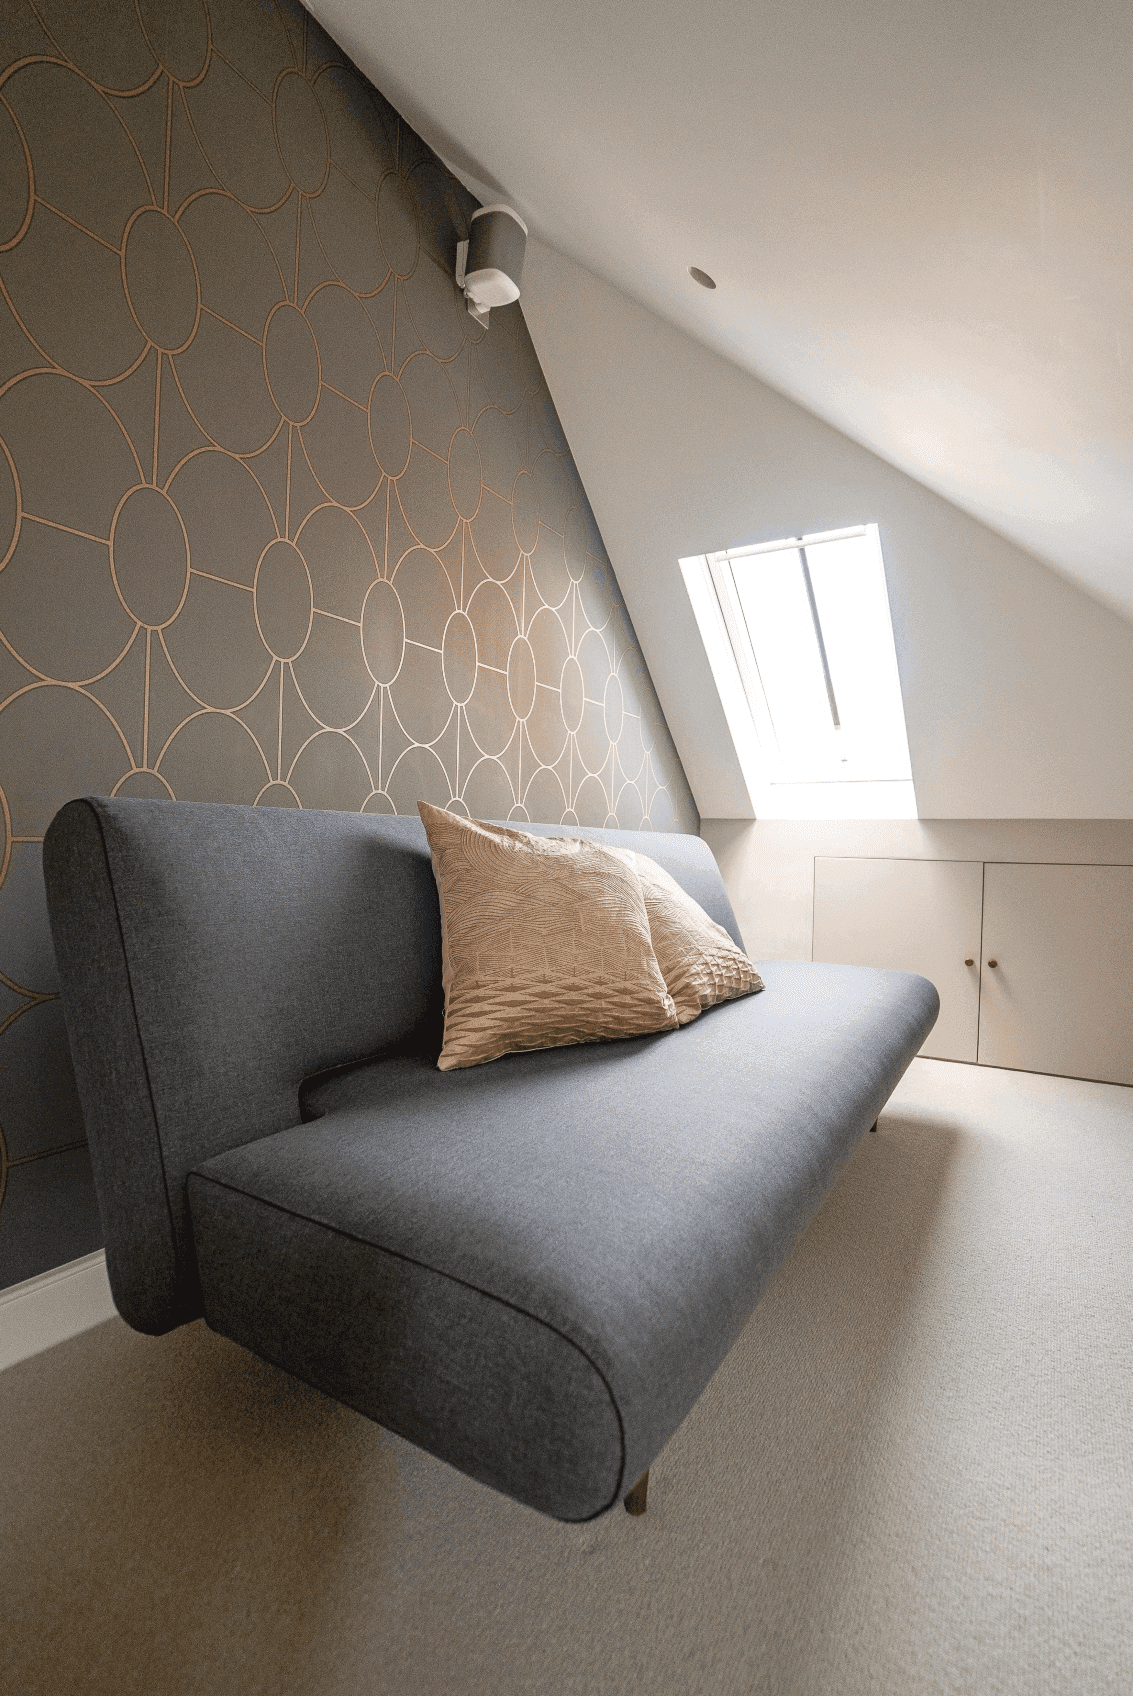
(533, 1268)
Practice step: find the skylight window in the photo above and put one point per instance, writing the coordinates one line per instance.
(807, 624)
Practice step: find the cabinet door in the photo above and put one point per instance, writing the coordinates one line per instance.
(1060, 997)
(914, 916)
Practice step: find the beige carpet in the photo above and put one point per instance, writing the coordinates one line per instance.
(913, 1474)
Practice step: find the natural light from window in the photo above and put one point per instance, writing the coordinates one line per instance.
(806, 622)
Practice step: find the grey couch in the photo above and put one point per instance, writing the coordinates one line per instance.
(532, 1268)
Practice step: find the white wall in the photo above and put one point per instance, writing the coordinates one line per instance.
(1018, 687)
(768, 864)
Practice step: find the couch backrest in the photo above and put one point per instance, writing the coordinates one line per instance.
(212, 957)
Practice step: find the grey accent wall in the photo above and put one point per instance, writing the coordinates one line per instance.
(279, 523)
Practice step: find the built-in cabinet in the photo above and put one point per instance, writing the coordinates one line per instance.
(1033, 963)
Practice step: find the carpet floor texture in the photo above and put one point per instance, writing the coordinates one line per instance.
(912, 1475)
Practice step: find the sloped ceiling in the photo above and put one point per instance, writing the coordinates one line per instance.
(919, 213)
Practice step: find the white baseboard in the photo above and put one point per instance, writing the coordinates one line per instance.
(43, 1311)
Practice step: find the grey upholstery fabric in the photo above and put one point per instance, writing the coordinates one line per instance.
(533, 1268)
(212, 957)
(530, 1268)
(110, 1067)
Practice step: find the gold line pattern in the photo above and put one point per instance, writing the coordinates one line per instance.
(243, 411)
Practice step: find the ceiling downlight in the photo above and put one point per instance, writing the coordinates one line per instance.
(701, 277)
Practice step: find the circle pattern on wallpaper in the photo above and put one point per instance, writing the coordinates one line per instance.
(283, 600)
(149, 556)
(383, 632)
(612, 707)
(525, 512)
(161, 280)
(277, 795)
(465, 473)
(9, 507)
(572, 690)
(281, 524)
(144, 786)
(178, 36)
(391, 427)
(521, 677)
(105, 42)
(291, 360)
(15, 179)
(301, 133)
(575, 545)
(459, 652)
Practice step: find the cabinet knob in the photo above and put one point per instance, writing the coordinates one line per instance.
(993, 963)
(969, 962)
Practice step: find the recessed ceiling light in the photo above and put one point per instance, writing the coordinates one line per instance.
(701, 277)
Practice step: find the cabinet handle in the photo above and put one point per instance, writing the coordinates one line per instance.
(969, 962)
(993, 963)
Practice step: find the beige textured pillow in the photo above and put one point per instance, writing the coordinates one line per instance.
(698, 959)
(545, 942)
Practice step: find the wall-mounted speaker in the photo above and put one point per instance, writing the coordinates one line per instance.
(489, 264)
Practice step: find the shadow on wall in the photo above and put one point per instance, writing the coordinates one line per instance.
(193, 1519)
(279, 522)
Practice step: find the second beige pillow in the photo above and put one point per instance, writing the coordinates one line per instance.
(699, 961)
(545, 942)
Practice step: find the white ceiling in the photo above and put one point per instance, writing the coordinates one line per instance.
(919, 213)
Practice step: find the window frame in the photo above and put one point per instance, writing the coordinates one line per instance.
(777, 791)
(720, 571)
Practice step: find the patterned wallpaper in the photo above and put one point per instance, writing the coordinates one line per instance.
(279, 523)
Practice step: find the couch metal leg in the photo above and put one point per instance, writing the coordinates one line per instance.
(873, 1127)
(635, 1501)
